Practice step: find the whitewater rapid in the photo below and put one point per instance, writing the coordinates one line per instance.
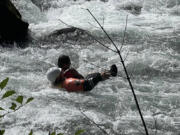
(151, 53)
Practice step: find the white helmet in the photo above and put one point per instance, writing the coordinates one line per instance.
(53, 73)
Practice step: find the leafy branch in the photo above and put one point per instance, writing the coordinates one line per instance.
(14, 106)
(16, 103)
(78, 132)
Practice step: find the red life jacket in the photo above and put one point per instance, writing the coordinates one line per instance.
(68, 73)
(73, 84)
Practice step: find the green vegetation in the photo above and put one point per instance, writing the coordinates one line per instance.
(16, 103)
(78, 132)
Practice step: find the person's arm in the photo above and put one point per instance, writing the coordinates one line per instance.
(59, 79)
(77, 74)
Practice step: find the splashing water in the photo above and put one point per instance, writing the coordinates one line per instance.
(151, 53)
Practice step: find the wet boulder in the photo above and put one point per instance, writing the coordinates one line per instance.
(12, 27)
(69, 35)
(172, 3)
(132, 7)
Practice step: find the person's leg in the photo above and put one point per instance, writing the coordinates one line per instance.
(90, 83)
(92, 80)
(112, 72)
(91, 75)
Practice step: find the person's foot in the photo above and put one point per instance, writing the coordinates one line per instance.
(113, 70)
(105, 75)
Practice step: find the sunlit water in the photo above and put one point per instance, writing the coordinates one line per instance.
(151, 53)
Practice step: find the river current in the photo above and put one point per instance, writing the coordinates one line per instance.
(151, 53)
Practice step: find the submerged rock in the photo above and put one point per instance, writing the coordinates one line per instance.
(12, 27)
(63, 31)
(71, 35)
(134, 8)
(172, 3)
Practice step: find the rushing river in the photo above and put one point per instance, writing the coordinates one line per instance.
(151, 52)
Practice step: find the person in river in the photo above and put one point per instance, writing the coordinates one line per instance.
(76, 84)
